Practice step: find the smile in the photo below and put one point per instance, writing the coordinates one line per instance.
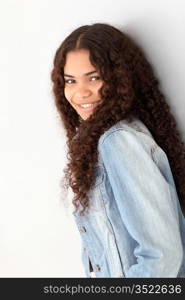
(88, 106)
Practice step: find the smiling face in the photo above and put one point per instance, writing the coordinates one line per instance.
(82, 83)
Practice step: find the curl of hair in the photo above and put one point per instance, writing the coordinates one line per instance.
(130, 89)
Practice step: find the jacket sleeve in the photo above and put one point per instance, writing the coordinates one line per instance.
(146, 207)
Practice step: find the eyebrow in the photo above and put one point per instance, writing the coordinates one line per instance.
(86, 74)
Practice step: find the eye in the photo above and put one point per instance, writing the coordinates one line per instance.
(96, 77)
(69, 81)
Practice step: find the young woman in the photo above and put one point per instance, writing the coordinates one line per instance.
(123, 147)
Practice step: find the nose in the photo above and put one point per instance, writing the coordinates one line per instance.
(83, 92)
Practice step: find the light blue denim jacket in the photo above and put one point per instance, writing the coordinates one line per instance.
(134, 226)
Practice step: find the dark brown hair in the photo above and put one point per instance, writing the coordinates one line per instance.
(130, 89)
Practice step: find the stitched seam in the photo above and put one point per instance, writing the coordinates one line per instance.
(105, 212)
(135, 131)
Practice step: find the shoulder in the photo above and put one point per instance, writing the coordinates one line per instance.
(127, 134)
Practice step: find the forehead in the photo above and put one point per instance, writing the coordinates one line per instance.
(77, 62)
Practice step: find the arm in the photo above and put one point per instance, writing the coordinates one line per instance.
(143, 198)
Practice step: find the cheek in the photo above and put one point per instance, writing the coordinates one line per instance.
(97, 89)
(67, 93)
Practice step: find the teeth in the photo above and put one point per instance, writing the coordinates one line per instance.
(87, 105)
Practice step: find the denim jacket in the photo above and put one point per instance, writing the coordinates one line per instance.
(134, 226)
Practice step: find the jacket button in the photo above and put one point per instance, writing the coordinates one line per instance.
(82, 229)
(97, 268)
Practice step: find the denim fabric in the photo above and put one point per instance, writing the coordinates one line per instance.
(134, 226)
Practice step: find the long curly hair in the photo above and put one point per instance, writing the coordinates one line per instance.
(130, 89)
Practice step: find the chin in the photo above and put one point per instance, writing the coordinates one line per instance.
(85, 116)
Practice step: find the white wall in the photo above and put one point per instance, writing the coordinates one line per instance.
(37, 237)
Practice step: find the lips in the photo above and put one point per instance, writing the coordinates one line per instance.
(88, 102)
(89, 108)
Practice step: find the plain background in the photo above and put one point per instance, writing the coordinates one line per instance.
(37, 237)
